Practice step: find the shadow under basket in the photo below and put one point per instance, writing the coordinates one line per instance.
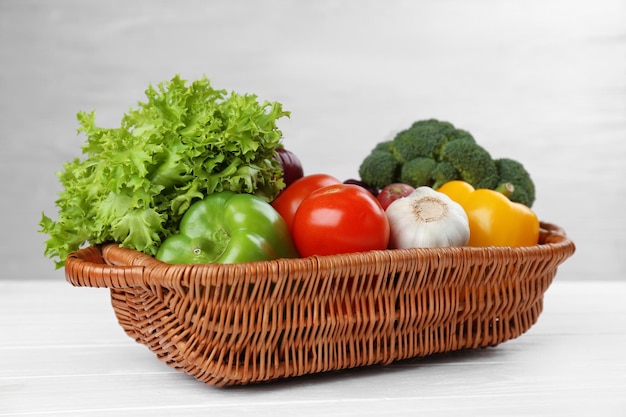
(228, 324)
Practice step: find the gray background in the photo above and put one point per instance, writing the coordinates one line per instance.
(541, 81)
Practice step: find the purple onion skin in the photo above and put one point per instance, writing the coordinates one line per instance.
(369, 188)
(292, 167)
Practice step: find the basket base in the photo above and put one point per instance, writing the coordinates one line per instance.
(219, 369)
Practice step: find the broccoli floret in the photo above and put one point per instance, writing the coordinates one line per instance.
(386, 146)
(379, 168)
(423, 139)
(411, 144)
(418, 172)
(473, 162)
(514, 172)
(444, 172)
(460, 134)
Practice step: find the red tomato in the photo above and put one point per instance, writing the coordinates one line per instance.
(289, 200)
(340, 218)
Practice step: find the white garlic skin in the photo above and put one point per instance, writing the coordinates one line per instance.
(427, 219)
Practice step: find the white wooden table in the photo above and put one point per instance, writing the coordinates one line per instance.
(62, 353)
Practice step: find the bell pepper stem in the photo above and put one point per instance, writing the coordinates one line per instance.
(505, 188)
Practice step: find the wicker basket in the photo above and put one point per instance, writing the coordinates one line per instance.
(261, 321)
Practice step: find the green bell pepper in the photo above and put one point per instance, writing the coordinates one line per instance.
(226, 227)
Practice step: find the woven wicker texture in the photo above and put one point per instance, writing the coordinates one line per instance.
(245, 323)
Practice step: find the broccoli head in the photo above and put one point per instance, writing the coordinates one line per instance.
(379, 169)
(418, 172)
(432, 152)
(473, 162)
(514, 172)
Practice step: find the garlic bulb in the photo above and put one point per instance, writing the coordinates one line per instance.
(425, 219)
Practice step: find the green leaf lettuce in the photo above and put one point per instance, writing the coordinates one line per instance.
(136, 181)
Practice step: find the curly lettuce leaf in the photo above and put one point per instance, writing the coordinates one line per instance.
(136, 181)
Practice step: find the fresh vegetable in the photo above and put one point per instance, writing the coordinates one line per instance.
(291, 165)
(227, 227)
(392, 192)
(290, 198)
(340, 218)
(137, 180)
(426, 219)
(432, 152)
(494, 220)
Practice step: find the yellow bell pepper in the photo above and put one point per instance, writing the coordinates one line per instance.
(494, 220)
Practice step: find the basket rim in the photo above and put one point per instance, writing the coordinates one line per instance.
(112, 266)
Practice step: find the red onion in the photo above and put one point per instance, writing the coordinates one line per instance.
(292, 167)
(368, 187)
